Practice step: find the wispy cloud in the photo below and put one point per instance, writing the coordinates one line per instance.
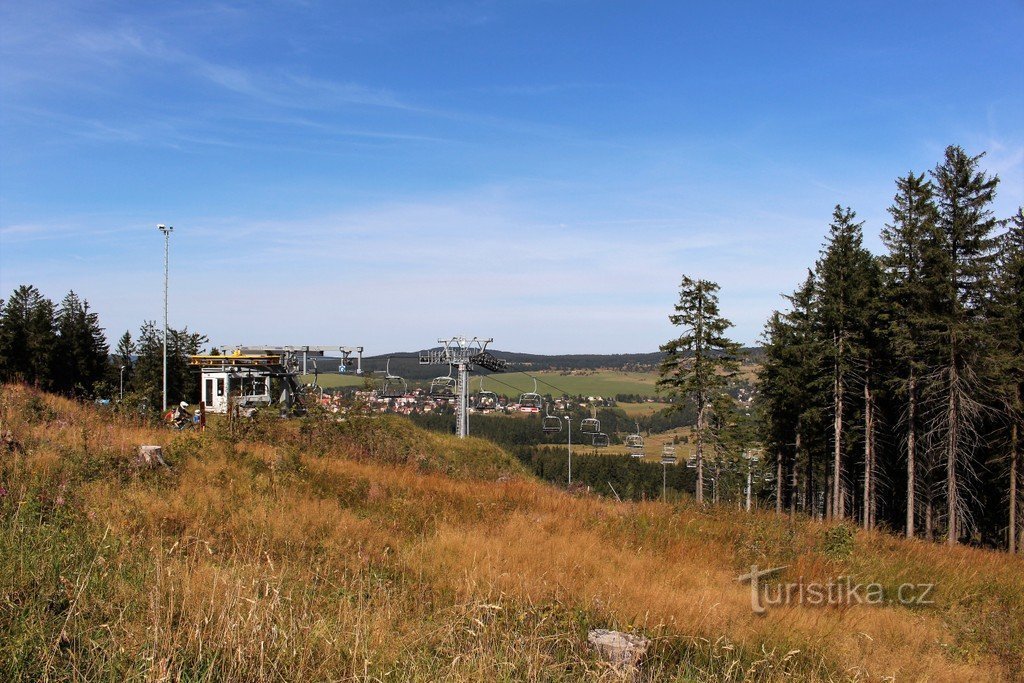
(427, 264)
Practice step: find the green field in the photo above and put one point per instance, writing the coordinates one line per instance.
(333, 381)
(636, 410)
(601, 383)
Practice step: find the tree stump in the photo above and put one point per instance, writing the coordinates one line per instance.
(150, 456)
(622, 650)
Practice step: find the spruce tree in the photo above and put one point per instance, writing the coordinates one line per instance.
(790, 384)
(778, 398)
(147, 378)
(80, 351)
(1008, 305)
(960, 262)
(182, 380)
(124, 357)
(844, 299)
(907, 300)
(698, 363)
(27, 337)
(871, 361)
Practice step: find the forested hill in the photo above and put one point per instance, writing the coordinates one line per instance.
(406, 363)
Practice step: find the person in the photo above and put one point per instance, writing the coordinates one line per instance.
(181, 417)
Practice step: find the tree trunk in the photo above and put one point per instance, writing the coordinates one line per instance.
(718, 479)
(700, 452)
(874, 474)
(929, 519)
(809, 485)
(868, 464)
(837, 464)
(829, 504)
(1013, 489)
(911, 446)
(793, 483)
(778, 483)
(952, 446)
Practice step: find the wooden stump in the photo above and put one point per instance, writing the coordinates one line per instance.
(150, 456)
(622, 650)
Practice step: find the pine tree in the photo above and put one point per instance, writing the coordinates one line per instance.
(698, 363)
(914, 219)
(182, 382)
(1008, 304)
(731, 435)
(872, 357)
(122, 365)
(79, 358)
(778, 400)
(27, 337)
(959, 261)
(147, 378)
(844, 298)
(790, 383)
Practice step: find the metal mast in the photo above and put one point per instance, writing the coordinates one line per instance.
(166, 230)
(462, 353)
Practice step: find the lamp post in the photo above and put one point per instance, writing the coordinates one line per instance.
(166, 230)
(568, 421)
(122, 383)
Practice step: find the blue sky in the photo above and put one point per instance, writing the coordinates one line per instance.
(385, 173)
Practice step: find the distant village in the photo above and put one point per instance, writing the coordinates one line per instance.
(421, 402)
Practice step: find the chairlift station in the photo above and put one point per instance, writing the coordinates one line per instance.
(243, 378)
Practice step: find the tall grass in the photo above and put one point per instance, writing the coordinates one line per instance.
(371, 550)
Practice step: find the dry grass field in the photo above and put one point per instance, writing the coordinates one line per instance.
(370, 550)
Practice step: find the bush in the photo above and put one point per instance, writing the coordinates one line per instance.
(838, 541)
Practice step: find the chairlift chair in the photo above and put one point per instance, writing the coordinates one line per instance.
(485, 400)
(531, 399)
(600, 440)
(590, 425)
(691, 462)
(392, 386)
(551, 424)
(444, 386)
(635, 442)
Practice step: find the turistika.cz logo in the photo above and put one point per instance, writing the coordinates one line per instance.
(840, 592)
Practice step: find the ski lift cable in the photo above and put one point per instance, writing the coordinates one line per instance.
(537, 379)
(516, 390)
(492, 378)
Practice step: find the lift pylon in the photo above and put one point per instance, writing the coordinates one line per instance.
(462, 353)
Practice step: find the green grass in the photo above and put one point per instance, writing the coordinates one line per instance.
(600, 383)
(641, 409)
(333, 381)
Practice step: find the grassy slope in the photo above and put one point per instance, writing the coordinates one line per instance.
(376, 551)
